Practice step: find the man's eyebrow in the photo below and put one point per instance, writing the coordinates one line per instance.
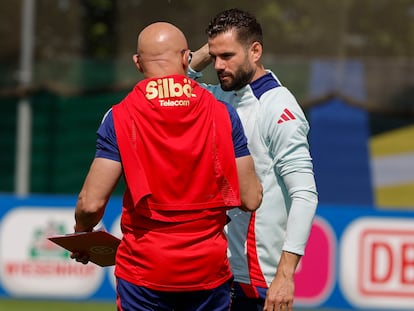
(222, 54)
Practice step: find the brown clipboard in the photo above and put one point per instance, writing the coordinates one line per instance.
(100, 245)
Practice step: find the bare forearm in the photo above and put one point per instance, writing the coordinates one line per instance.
(96, 191)
(251, 190)
(287, 264)
(88, 212)
(201, 58)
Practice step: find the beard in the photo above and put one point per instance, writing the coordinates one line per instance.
(236, 81)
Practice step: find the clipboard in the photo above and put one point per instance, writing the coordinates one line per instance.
(101, 246)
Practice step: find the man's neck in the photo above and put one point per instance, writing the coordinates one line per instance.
(260, 72)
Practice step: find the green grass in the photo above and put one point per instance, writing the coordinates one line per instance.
(43, 305)
(40, 305)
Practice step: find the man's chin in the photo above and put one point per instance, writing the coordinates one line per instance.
(225, 86)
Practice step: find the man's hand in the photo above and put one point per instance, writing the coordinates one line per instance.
(280, 294)
(80, 257)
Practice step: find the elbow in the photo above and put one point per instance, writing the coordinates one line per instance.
(251, 205)
(88, 213)
(253, 202)
(88, 206)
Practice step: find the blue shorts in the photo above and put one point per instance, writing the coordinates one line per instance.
(247, 301)
(131, 297)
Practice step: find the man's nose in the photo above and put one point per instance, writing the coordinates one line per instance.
(219, 64)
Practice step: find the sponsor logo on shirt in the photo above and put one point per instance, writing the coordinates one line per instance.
(286, 116)
(167, 88)
(170, 103)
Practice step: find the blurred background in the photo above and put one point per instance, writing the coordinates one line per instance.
(71, 60)
(350, 64)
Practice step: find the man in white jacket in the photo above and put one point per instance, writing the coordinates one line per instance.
(264, 246)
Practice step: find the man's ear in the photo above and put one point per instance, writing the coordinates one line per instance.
(256, 51)
(186, 59)
(135, 59)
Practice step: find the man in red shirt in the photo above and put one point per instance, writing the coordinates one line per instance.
(185, 161)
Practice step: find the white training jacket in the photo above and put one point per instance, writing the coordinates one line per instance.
(276, 129)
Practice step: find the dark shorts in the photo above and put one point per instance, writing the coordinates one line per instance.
(131, 297)
(244, 299)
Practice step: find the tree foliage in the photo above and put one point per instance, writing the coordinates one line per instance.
(318, 28)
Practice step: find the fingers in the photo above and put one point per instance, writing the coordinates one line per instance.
(82, 258)
(282, 307)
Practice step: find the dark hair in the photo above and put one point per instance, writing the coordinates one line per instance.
(247, 27)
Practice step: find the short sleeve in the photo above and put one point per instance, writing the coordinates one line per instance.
(106, 143)
(238, 135)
